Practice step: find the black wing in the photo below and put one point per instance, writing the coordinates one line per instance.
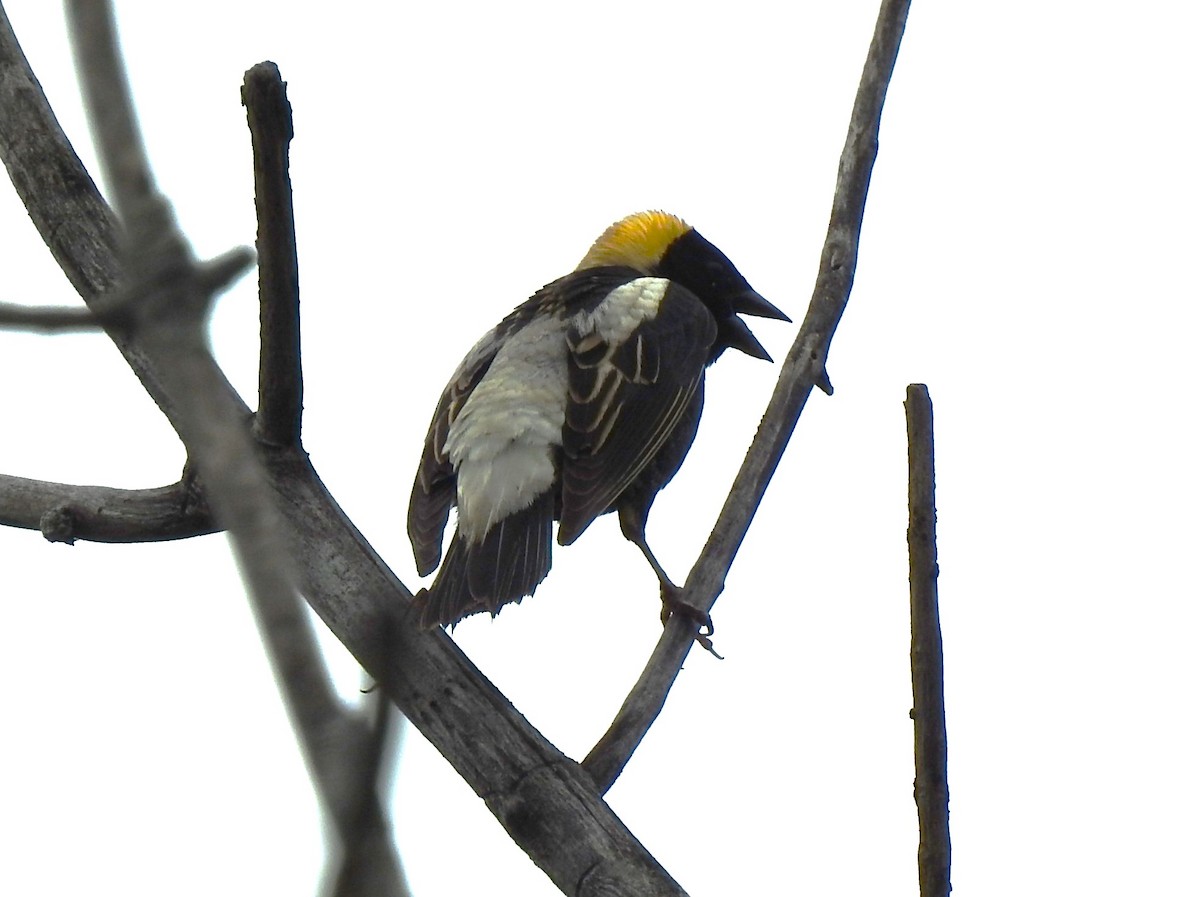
(627, 393)
(510, 563)
(434, 490)
(514, 557)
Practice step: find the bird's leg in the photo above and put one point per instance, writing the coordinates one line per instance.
(672, 595)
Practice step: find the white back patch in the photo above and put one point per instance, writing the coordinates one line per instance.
(503, 440)
(623, 310)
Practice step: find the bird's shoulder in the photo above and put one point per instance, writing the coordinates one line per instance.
(580, 291)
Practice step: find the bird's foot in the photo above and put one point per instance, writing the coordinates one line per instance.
(673, 603)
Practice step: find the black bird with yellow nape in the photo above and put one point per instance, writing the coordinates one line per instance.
(584, 400)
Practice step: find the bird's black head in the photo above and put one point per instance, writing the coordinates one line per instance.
(692, 261)
(663, 245)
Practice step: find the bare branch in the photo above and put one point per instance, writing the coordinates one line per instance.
(369, 865)
(168, 298)
(146, 215)
(280, 381)
(65, 513)
(542, 798)
(929, 704)
(803, 369)
(62, 201)
(46, 319)
(576, 838)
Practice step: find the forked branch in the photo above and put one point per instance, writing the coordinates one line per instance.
(578, 841)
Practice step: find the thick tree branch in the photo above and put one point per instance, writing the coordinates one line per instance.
(168, 299)
(62, 200)
(929, 704)
(803, 369)
(543, 799)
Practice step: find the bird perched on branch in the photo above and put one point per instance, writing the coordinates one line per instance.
(584, 400)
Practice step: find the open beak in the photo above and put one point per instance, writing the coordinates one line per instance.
(738, 336)
(750, 303)
(734, 330)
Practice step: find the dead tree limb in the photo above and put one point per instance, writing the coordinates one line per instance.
(280, 376)
(166, 298)
(64, 513)
(803, 369)
(45, 319)
(356, 759)
(543, 799)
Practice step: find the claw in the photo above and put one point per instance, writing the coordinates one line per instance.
(673, 603)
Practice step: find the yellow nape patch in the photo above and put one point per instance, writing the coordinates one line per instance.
(637, 242)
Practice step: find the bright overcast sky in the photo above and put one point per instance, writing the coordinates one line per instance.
(1029, 252)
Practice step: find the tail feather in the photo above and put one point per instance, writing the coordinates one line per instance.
(514, 556)
(510, 563)
(448, 600)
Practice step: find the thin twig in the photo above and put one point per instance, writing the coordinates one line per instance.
(280, 380)
(929, 704)
(47, 319)
(803, 369)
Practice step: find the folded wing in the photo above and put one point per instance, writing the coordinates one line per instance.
(634, 363)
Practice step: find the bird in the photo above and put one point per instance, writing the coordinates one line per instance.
(584, 400)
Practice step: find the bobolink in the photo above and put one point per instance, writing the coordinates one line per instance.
(584, 400)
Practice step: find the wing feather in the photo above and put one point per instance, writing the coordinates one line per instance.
(434, 489)
(510, 563)
(624, 402)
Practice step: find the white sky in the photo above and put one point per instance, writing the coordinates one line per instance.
(1029, 252)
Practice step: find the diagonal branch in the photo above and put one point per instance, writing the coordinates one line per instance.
(543, 799)
(62, 201)
(167, 298)
(68, 211)
(803, 369)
